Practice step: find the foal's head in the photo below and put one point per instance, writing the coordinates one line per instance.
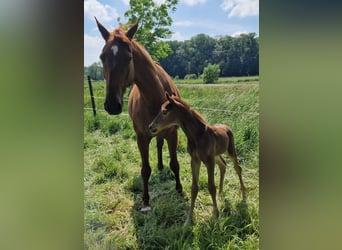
(118, 68)
(168, 116)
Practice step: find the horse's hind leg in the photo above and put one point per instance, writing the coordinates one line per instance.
(195, 168)
(222, 165)
(237, 167)
(210, 164)
(160, 143)
(172, 141)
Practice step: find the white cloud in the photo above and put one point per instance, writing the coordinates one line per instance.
(241, 8)
(92, 48)
(185, 23)
(177, 36)
(103, 12)
(238, 33)
(193, 2)
(126, 2)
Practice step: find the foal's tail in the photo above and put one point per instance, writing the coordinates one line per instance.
(231, 145)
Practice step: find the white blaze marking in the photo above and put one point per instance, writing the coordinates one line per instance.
(115, 49)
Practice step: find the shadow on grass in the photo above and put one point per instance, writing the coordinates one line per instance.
(234, 227)
(162, 227)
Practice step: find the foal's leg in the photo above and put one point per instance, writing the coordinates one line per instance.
(238, 170)
(160, 143)
(222, 165)
(237, 167)
(210, 164)
(195, 167)
(172, 141)
(143, 144)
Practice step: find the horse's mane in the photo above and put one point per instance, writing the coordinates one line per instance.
(192, 111)
(121, 33)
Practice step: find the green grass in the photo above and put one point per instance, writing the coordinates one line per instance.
(113, 185)
(243, 79)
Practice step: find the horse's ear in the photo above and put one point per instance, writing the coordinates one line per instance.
(103, 30)
(130, 33)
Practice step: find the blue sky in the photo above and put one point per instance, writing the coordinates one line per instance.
(192, 17)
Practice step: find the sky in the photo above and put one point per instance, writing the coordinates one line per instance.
(192, 17)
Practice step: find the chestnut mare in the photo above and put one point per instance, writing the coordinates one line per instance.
(126, 63)
(206, 143)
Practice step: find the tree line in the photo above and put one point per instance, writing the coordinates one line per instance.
(235, 56)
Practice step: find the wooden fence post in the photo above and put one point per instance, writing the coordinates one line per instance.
(92, 96)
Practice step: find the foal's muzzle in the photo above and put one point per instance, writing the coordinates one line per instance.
(153, 129)
(113, 108)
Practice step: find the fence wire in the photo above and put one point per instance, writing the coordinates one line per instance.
(197, 108)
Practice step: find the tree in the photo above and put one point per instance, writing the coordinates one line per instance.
(236, 56)
(202, 46)
(211, 73)
(154, 21)
(250, 55)
(95, 71)
(175, 64)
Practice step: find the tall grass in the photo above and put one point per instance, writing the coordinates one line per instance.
(240, 79)
(113, 185)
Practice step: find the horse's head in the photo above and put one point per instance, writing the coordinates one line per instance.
(118, 68)
(168, 115)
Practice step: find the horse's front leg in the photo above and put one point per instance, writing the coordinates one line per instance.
(160, 143)
(172, 142)
(143, 144)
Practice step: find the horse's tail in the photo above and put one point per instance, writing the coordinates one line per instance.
(231, 144)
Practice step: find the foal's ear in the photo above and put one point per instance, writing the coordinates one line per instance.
(103, 30)
(130, 33)
(168, 97)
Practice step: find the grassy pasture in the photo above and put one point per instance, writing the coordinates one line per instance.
(244, 79)
(113, 185)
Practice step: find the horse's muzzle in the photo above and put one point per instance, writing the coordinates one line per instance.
(113, 108)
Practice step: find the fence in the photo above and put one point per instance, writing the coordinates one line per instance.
(93, 108)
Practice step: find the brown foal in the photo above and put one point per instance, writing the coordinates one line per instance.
(206, 143)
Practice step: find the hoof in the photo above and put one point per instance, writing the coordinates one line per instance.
(179, 189)
(188, 223)
(145, 209)
(160, 167)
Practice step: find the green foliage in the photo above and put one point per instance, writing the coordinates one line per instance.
(113, 183)
(154, 20)
(237, 56)
(211, 73)
(94, 71)
(221, 80)
(190, 76)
